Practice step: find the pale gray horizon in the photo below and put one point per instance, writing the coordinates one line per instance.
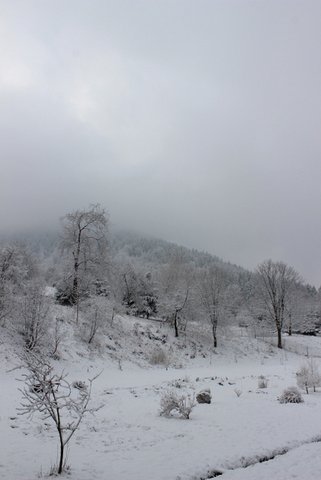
(197, 121)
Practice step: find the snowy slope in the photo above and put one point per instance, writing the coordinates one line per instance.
(128, 439)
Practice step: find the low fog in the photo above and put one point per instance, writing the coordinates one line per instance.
(194, 121)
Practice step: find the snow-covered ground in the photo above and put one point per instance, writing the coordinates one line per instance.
(128, 439)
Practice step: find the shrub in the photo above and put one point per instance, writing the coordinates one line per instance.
(308, 376)
(64, 295)
(158, 357)
(262, 382)
(34, 310)
(180, 382)
(172, 404)
(291, 395)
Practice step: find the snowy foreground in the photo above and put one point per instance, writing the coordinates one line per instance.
(250, 436)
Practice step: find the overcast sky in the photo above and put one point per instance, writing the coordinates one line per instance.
(198, 121)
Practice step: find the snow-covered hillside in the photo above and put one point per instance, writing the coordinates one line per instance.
(234, 436)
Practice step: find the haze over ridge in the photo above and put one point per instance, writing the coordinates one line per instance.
(196, 121)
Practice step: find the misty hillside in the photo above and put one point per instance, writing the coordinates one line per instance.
(159, 272)
(148, 249)
(121, 241)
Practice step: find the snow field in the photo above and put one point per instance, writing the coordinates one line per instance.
(127, 439)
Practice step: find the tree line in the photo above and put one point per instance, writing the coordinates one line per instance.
(98, 276)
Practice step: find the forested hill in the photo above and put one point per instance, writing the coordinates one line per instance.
(142, 275)
(154, 250)
(141, 247)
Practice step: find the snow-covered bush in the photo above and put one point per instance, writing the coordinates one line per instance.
(172, 404)
(180, 382)
(308, 376)
(158, 357)
(33, 317)
(291, 395)
(262, 382)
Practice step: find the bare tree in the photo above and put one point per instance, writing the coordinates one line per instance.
(211, 288)
(98, 314)
(57, 336)
(275, 282)
(178, 306)
(84, 236)
(52, 396)
(16, 266)
(34, 311)
(309, 376)
(138, 292)
(176, 281)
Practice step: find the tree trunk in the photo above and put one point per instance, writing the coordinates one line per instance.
(290, 325)
(175, 324)
(59, 428)
(75, 286)
(279, 337)
(77, 309)
(214, 321)
(214, 336)
(61, 459)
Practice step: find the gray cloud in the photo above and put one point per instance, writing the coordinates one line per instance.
(193, 120)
